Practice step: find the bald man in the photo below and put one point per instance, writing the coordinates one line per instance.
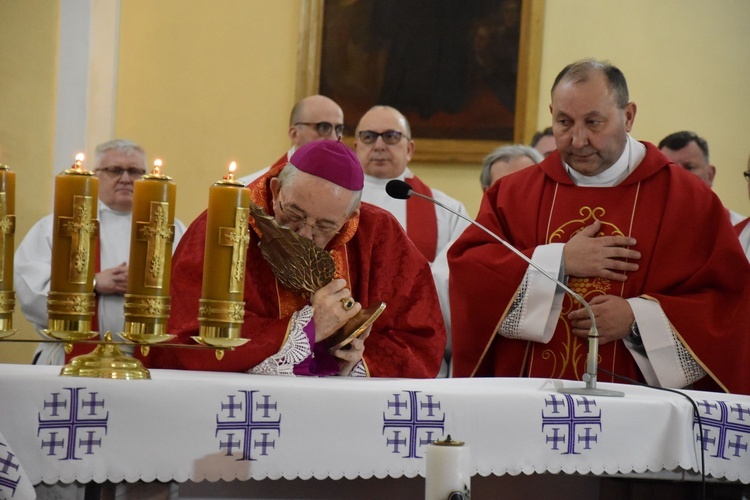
(313, 118)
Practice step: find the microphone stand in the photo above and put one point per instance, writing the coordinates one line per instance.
(593, 349)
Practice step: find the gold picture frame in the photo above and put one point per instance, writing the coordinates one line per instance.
(442, 150)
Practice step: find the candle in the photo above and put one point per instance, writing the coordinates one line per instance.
(7, 232)
(149, 269)
(227, 236)
(448, 471)
(70, 304)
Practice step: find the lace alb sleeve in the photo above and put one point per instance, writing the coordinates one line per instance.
(295, 350)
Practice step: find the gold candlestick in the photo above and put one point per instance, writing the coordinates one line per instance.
(152, 234)
(7, 233)
(70, 303)
(222, 308)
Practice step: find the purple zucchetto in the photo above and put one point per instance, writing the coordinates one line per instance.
(330, 160)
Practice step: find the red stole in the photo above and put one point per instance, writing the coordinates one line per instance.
(421, 219)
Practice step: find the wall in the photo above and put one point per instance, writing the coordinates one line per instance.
(28, 42)
(203, 83)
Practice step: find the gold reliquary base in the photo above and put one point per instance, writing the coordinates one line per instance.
(106, 361)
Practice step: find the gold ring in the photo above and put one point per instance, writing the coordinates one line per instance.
(348, 303)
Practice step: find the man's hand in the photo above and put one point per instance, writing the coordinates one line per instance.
(589, 256)
(349, 355)
(329, 313)
(613, 318)
(112, 281)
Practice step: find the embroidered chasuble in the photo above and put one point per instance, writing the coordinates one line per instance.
(692, 265)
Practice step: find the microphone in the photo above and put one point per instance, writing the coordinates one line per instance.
(401, 190)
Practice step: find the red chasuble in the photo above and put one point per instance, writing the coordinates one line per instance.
(421, 219)
(692, 265)
(372, 253)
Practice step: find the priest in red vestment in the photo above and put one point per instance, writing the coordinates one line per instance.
(317, 194)
(647, 244)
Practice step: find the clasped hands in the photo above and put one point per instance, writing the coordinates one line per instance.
(112, 281)
(330, 314)
(589, 256)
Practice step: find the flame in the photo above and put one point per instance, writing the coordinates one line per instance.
(232, 167)
(79, 157)
(157, 167)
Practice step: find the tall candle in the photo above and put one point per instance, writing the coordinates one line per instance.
(225, 255)
(7, 232)
(70, 304)
(149, 269)
(447, 471)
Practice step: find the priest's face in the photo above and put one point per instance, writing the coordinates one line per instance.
(117, 172)
(590, 129)
(312, 207)
(383, 143)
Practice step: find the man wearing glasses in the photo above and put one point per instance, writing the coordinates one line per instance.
(384, 147)
(118, 164)
(317, 195)
(313, 118)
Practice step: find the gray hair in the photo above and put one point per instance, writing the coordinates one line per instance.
(580, 71)
(289, 172)
(124, 145)
(507, 154)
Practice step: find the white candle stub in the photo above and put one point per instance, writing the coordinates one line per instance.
(448, 471)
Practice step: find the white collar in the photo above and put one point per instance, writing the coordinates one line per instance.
(631, 157)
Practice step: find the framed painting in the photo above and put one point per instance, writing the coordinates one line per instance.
(465, 74)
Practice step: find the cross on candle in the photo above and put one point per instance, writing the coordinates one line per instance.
(238, 238)
(7, 227)
(79, 228)
(157, 232)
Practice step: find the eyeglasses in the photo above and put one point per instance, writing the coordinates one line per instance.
(747, 175)
(318, 229)
(324, 128)
(117, 171)
(390, 137)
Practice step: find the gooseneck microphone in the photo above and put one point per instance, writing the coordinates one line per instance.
(401, 190)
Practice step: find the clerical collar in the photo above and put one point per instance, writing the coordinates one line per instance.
(380, 181)
(630, 158)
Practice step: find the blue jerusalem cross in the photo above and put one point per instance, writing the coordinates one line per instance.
(412, 423)
(6, 464)
(69, 426)
(730, 427)
(571, 423)
(256, 418)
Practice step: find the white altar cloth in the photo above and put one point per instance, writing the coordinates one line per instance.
(209, 426)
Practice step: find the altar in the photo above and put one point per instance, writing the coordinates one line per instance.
(205, 426)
